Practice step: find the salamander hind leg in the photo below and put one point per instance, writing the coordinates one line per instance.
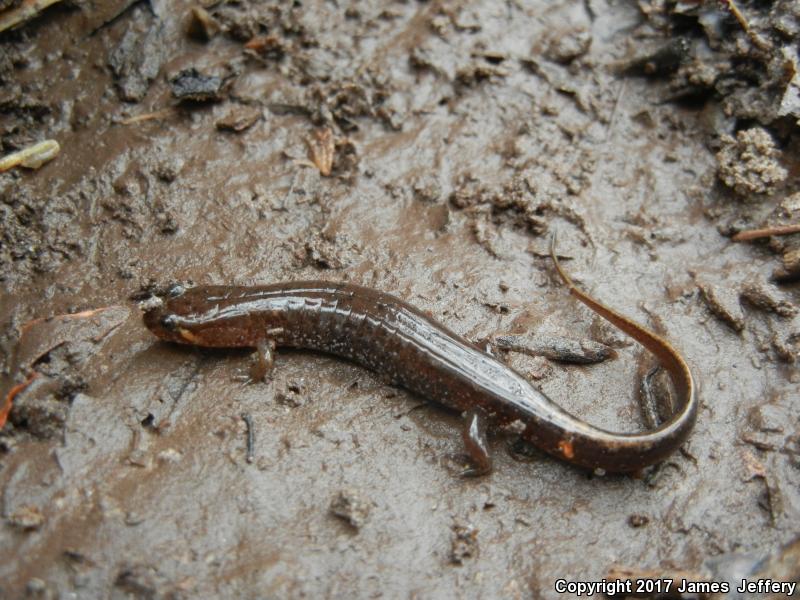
(477, 449)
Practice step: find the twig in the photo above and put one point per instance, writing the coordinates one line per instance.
(754, 37)
(251, 438)
(754, 234)
(164, 112)
(13, 394)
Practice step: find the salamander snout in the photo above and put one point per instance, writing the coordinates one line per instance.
(163, 322)
(158, 318)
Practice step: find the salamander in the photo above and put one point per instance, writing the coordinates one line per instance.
(389, 336)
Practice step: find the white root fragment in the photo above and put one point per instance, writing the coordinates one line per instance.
(31, 157)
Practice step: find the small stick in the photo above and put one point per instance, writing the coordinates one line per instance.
(754, 234)
(754, 37)
(164, 112)
(251, 437)
(737, 13)
(9, 401)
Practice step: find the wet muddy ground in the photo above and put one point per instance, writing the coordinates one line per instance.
(426, 149)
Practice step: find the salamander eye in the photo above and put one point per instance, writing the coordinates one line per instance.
(176, 290)
(169, 322)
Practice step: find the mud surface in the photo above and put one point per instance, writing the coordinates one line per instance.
(425, 149)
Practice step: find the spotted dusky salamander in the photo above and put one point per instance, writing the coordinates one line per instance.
(391, 337)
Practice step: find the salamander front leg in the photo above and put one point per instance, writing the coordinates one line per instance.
(474, 435)
(264, 359)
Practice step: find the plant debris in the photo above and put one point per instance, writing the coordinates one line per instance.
(27, 518)
(664, 61)
(751, 70)
(251, 437)
(320, 150)
(31, 157)
(463, 544)
(202, 26)
(765, 297)
(790, 267)
(754, 234)
(566, 46)
(556, 348)
(12, 393)
(51, 351)
(190, 85)
(350, 506)
(329, 155)
(239, 119)
(723, 303)
(268, 47)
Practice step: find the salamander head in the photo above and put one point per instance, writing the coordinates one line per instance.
(163, 322)
(190, 316)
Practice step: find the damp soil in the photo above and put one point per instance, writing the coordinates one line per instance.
(427, 149)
